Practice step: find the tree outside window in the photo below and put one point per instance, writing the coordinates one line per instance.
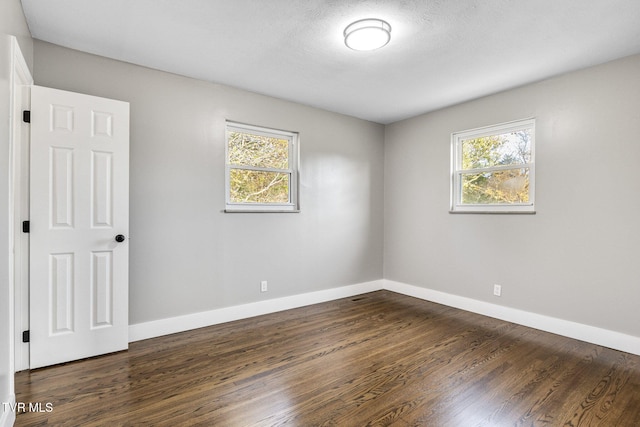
(493, 168)
(261, 169)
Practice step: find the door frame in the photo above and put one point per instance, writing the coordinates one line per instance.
(20, 82)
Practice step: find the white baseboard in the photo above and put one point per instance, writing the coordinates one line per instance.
(7, 416)
(579, 331)
(591, 334)
(156, 328)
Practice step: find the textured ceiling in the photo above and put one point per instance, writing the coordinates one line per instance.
(442, 52)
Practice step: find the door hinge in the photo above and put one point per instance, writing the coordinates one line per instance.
(26, 226)
(26, 116)
(25, 336)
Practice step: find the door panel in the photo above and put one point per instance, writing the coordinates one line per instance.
(61, 302)
(79, 203)
(61, 181)
(101, 289)
(101, 189)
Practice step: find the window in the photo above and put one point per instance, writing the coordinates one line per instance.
(493, 168)
(261, 169)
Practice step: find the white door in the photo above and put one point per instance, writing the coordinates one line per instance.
(79, 224)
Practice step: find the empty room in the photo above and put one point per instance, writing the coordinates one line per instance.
(320, 213)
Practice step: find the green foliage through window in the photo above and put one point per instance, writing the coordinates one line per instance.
(246, 149)
(498, 186)
(494, 166)
(249, 186)
(508, 186)
(260, 167)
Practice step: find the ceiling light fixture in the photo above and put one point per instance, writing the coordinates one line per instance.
(367, 34)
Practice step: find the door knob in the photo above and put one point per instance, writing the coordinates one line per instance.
(120, 238)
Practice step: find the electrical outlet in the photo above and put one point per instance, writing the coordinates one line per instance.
(497, 290)
(263, 286)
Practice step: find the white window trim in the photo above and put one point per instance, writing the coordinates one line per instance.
(292, 170)
(456, 169)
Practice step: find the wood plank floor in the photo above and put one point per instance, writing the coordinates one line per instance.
(379, 359)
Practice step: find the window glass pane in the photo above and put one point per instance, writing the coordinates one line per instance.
(512, 148)
(497, 187)
(250, 186)
(246, 149)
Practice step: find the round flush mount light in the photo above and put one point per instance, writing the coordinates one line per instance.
(367, 34)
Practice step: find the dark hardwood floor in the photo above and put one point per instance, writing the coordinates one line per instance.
(376, 359)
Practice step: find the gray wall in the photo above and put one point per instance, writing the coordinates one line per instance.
(12, 22)
(186, 255)
(577, 258)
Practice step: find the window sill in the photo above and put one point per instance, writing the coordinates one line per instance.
(261, 211)
(494, 212)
